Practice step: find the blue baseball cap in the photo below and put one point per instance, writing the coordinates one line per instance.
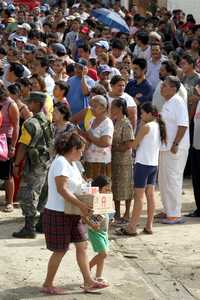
(104, 69)
(103, 44)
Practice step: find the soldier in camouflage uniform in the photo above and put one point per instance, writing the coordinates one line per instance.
(34, 145)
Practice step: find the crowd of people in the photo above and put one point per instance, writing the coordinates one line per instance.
(81, 102)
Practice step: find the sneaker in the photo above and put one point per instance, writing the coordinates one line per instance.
(9, 208)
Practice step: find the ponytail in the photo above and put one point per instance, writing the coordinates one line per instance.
(162, 127)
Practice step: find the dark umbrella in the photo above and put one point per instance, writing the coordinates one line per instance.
(110, 19)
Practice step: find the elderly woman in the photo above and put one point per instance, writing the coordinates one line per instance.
(61, 229)
(99, 137)
(122, 162)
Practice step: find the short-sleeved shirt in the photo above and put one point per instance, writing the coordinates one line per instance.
(143, 88)
(75, 97)
(97, 154)
(175, 114)
(129, 100)
(158, 99)
(61, 167)
(140, 53)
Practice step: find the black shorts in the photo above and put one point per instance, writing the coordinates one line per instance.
(6, 169)
(60, 230)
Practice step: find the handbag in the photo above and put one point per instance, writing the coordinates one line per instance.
(3, 147)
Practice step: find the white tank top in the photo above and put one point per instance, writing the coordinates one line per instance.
(148, 150)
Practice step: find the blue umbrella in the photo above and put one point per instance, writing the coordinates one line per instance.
(110, 19)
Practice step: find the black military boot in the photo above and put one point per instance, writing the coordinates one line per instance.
(38, 226)
(28, 231)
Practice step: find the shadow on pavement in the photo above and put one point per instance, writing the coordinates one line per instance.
(33, 292)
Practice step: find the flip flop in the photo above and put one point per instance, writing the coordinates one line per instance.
(95, 287)
(120, 221)
(101, 280)
(173, 222)
(160, 215)
(53, 291)
(124, 231)
(146, 231)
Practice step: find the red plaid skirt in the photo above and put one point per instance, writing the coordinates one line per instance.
(60, 230)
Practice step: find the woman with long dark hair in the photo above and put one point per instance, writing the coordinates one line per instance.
(122, 162)
(147, 144)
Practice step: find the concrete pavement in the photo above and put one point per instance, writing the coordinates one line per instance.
(163, 266)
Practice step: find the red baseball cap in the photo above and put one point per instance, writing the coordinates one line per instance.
(85, 29)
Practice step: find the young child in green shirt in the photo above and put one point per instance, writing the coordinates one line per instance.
(98, 231)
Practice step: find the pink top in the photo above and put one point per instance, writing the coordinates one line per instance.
(6, 126)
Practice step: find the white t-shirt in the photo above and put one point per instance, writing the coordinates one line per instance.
(175, 114)
(129, 100)
(61, 167)
(50, 83)
(140, 53)
(100, 154)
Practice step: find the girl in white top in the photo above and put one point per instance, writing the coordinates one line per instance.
(147, 142)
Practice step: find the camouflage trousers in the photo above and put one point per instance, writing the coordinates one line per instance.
(29, 191)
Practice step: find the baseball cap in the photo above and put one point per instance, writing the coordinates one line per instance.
(20, 38)
(82, 62)
(2, 26)
(103, 44)
(11, 7)
(59, 48)
(85, 29)
(29, 48)
(104, 69)
(25, 26)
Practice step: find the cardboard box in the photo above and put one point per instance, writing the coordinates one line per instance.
(100, 203)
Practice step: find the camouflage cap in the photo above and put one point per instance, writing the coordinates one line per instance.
(37, 97)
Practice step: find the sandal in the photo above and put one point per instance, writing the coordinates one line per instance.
(124, 231)
(120, 221)
(160, 215)
(53, 291)
(173, 222)
(101, 279)
(95, 286)
(9, 208)
(146, 231)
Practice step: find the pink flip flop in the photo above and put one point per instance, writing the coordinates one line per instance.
(95, 287)
(53, 291)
